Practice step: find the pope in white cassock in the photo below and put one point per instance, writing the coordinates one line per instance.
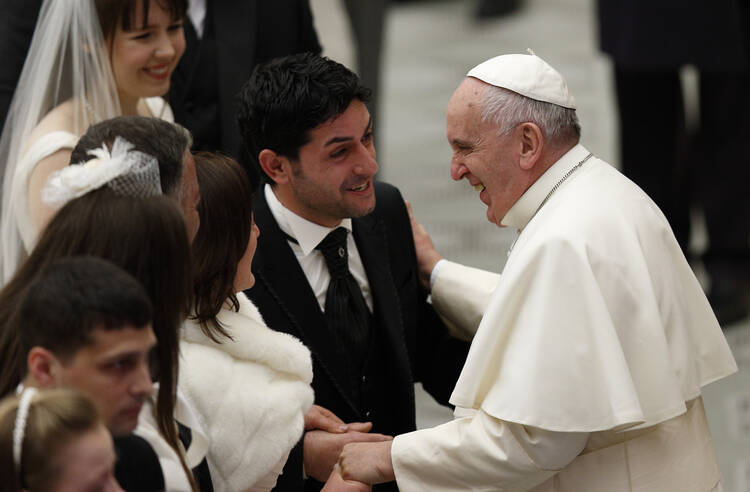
(586, 368)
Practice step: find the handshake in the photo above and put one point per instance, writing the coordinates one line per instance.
(346, 456)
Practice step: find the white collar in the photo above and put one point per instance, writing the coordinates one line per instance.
(308, 234)
(525, 207)
(197, 13)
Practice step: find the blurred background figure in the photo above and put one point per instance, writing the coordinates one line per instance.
(16, 27)
(62, 443)
(679, 164)
(224, 41)
(496, 8)
(367, 21)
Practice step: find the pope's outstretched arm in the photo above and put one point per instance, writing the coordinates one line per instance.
(459, 293)
(478, 452)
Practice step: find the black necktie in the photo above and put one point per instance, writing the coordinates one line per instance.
(345, 309)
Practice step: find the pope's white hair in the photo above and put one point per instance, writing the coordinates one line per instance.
(507, 109)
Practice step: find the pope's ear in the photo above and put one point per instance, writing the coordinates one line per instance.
(532, 145)
(277, 167)
(44, 368)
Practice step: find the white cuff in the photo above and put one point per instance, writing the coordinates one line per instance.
(435, 270)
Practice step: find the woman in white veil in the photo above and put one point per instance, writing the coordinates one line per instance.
(89, 60)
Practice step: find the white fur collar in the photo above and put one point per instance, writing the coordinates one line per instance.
(255, 341)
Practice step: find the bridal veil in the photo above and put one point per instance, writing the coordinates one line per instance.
(68, 60)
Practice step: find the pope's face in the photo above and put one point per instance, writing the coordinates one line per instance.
(333, 177)
(490, 163)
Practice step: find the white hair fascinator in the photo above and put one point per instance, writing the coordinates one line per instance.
(128, 172)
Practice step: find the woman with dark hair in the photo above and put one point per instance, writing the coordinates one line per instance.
(144, 236)
(89, 60)
(250, 384)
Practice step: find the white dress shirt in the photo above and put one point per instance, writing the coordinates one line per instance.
(197, 14)
(309, 235)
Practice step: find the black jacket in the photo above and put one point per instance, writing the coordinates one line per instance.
(240, 34)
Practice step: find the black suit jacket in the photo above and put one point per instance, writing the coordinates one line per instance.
(137, 468)
(16, 29)
(246, 32)
(412, 343)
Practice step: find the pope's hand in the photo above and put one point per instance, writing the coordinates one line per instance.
(367, 462)
(321, 449)
(336, 483)
(427, 255)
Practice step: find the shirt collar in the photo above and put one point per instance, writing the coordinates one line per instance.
(525, 207)
(308, 234)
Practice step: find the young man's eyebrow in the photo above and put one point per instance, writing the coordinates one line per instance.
(347, 139)
(337, 140)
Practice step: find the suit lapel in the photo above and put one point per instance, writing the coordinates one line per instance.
(371, 238)
(277, 268)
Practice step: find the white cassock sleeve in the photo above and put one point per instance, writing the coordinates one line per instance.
(481, 452)
(460, 295)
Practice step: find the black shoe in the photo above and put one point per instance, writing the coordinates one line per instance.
(496, 8)
(729, 309)
(730, 293)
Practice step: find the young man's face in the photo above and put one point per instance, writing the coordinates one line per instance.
(333, 177)
(113, 371)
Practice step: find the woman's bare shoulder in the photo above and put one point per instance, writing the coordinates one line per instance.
(60, 119)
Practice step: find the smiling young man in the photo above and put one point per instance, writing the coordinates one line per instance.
(336, 264)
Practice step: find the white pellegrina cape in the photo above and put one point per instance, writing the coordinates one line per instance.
(251, 395)
(598, 322)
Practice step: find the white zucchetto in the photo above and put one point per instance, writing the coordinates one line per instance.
(527, 75)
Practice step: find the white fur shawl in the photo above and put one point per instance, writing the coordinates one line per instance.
(251, 394)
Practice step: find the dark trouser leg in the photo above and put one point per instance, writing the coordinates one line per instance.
(724, 172)
(653, 141)
(367, 19)
(725, 164)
